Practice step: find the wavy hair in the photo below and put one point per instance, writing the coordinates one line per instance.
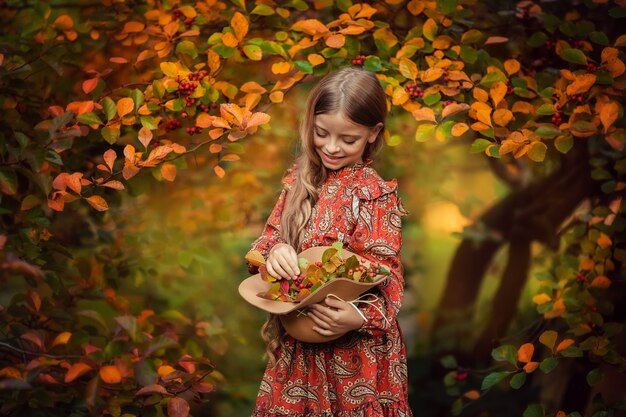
(357, 95)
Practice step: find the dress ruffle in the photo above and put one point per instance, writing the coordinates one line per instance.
(371, 409)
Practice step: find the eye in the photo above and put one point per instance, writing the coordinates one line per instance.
(321, 135)
(349, 141)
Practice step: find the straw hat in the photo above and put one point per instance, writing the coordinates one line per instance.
(293, 315)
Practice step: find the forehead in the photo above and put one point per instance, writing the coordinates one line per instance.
(338, 123)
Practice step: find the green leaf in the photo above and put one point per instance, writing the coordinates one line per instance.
(491, 78)
(548, 364)
(129, 323)
(158, 89)
(304, 66)
(573, 55)
(547, 131)
(617, 12)
(534, 410)
(55, 158)
(111, 134)
(599, 37)
(583, 126)
(546, 109)
(471, 36)
(518, 380)
(468, 54)
(89, 118)
(564, 143)
(537, 151)
(431, 99)
(109, 108)
(537, 39)
(505, 352)
(263, 10)
(479, 145)
(8, 181)
(425, 132)
(239, 3)
(344, 5)
(187, 47)
(372, 63)
(548, 338)
(149, 122)
(22, 139)
(449, 362)
(447, 6)
(572, 352)
(493, 378)
(253, 52)
(594, 376)
(457, 407)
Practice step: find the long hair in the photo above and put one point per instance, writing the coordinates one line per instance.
(357, 95)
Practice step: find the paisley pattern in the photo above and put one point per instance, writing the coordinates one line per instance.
(363, 373)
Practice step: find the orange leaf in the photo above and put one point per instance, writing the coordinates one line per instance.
(530, 366)
(251, 122)
(75, 371)
(64, 22)
(255, 258)
(231, 157)
(454, 108)
(498, 91)
(424, 114)
(480, 95)
(118, 60)
(541, 298)
(523, 107)
(281, 67)
(336, 40)
(109, 158)
(511, 66)
(459, 128)
(472, 395)
(565, 343)
(61, 339)
(204, 120)
(483, 112)
(587, 264)
(399, 96)
(216, 133)
(90, 84)
(277, 97)
(416, 7)
(431, 74)
(496, 39)
(110, 374)
(608, 114)
(213, 60)
(316, 59)
(502, 117)
(80, 107)
(125, 106)
(560, 414)
(600, 282)
(581, 84)
(145, 136)
(115, 184)
(232, 113)
(177, 407)
(239, 23)
(310, 27)
(73, 181)
(215, 148)
(129, 170)
(430, 29)
(168, 171)
(219, 171)
(253, 87)
(134, 27)
(98, 203)
(525, 352)
(165, 370)
(228, 39)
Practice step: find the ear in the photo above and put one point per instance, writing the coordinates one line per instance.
(375, 130)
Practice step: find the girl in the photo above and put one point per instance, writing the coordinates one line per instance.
(332, 194)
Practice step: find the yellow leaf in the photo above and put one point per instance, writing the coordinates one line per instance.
(228, 39)
(431, 74)
(557, 310)
(530, 367)
(231, 157)
(407, 68)
(525, 352)
(10, 372)
(480, 95)
(239, 23)
(498, 91)
(511, 66)
(75, 371)
(608, 114)
(442, 42)
(537, 151)
(98, 203)
(424, 114)
(523, 107)
(61, 339)
(454, 108)
(213, 61)
(600, 282)
(336, 40)
(110, 374)
(565, 343)
(125, 106)
(168, 171)
(399, 96)
(502, 117)
(483, 112)
(281, 67)
(204, 120)
(430, 29)
(581, 84)
(145, 136)
(315, 59)
(310, 27)
(255, 258)
(541, 298)
(459, 128)
(479, 126)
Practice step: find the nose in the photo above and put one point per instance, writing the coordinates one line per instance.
(332, 147)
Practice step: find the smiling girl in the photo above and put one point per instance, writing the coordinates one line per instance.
(333, 194)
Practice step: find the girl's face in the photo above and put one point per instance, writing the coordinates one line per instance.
(340, 142)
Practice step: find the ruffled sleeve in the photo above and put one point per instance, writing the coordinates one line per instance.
(377, 237)
(271, 232)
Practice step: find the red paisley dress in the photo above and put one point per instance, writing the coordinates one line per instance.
(364, 372)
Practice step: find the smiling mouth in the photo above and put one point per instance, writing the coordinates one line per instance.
(331, 158)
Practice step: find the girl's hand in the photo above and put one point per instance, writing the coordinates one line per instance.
(282, 262)
(335, 318)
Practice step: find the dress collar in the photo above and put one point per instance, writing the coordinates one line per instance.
(349, 169)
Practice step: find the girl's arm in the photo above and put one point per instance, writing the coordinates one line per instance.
(378, 238)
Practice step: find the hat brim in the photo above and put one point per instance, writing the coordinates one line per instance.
(344, 288)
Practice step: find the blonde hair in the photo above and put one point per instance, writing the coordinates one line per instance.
(356, 94)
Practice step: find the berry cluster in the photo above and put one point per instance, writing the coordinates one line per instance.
(445, 75)
(358, 60)
(448, 102)
(550, 44)
(367, 272)
(592, 67)
(580, 278)
(193, 130)
(298, 282)
(460, 376)
(577, 98)
(206, 108)
(509, 89)
(187, 88)
(413, 90)
(178, 14)
(557, 118)
(172, 124)
(197, 75)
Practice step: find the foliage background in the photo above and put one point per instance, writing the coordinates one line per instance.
(122, 233)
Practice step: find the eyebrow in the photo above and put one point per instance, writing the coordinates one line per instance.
(316, 126)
